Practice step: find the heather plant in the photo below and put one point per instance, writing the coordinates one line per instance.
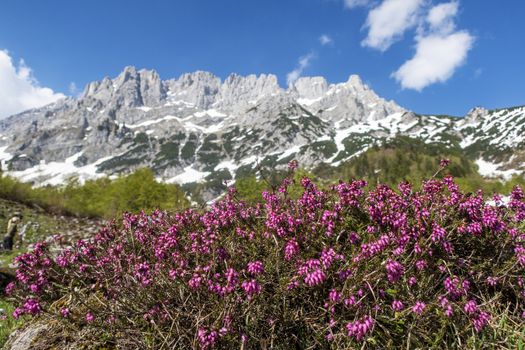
(345, 266)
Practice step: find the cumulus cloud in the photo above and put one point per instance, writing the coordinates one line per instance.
(325, 40)
(440, 47)
(440, 50)
(388, 22)
(356, 3)
(441, 17)
(303, 63)
(19, 90)
(437, 58)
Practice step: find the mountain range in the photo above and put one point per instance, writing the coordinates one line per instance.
(198, 128)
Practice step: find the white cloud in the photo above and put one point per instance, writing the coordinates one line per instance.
(19, 90)
(325, 40)
(440, 49)
(387, 22)
(441, 17)
(356, 3)
(437, 58)
(303, 63)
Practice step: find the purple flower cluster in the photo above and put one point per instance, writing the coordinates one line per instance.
(394, 271)
(359, 328)
(347, 259)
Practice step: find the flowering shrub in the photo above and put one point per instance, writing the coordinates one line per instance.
(342, 267)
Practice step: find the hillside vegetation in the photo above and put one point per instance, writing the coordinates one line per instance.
(103, 198)
(400, 159)
(342, 266)
(409, 159)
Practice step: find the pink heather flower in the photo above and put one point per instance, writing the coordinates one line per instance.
(344, 274)
(480, 321)
(444, 162)
(412, 281)
(315, 277)
(207, 338)
(334, 296)
(359, 328)
(64, 312)
(9, 288)
(18, 312)
(520, 254)
(292, 285)
(471, 307)
(291, 249)
(327, 257)
(292, 165)
(456, 289)
(142, 273)
(32, 306)
(251, 288)
(351, 301)
(421, 264)
(195, 281)
(397, 305)
(466, 286)
(255, 268)
(446, 305)
(438, 233)
(394, 271)
(89, 317)
(353, 237)
(418, 308)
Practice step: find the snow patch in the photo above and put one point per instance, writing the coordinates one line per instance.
(4, 157)
(289, 152)
(489, 169)
(308, 101)
(153, 121)
(227, 164)
(188, 175)
(57, 173)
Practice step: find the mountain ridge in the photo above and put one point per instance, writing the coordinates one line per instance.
(199, 128)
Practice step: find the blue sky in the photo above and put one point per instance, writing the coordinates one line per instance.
(471, 53)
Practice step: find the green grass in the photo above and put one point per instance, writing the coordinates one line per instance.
(9, 325)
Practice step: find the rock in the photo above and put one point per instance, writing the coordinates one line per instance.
(198, 124)
(25, 338)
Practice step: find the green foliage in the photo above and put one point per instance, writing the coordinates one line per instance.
(99, 198)
(8, 325)
(135, 192)
(250, 189)
(409, 159)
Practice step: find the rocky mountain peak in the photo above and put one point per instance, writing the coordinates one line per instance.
(310, 87)
(354, 81)
(477, 112)
(475, 116)
(237, 91)
(198, 127)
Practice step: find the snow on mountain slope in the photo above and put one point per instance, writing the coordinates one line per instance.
(199, 128)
